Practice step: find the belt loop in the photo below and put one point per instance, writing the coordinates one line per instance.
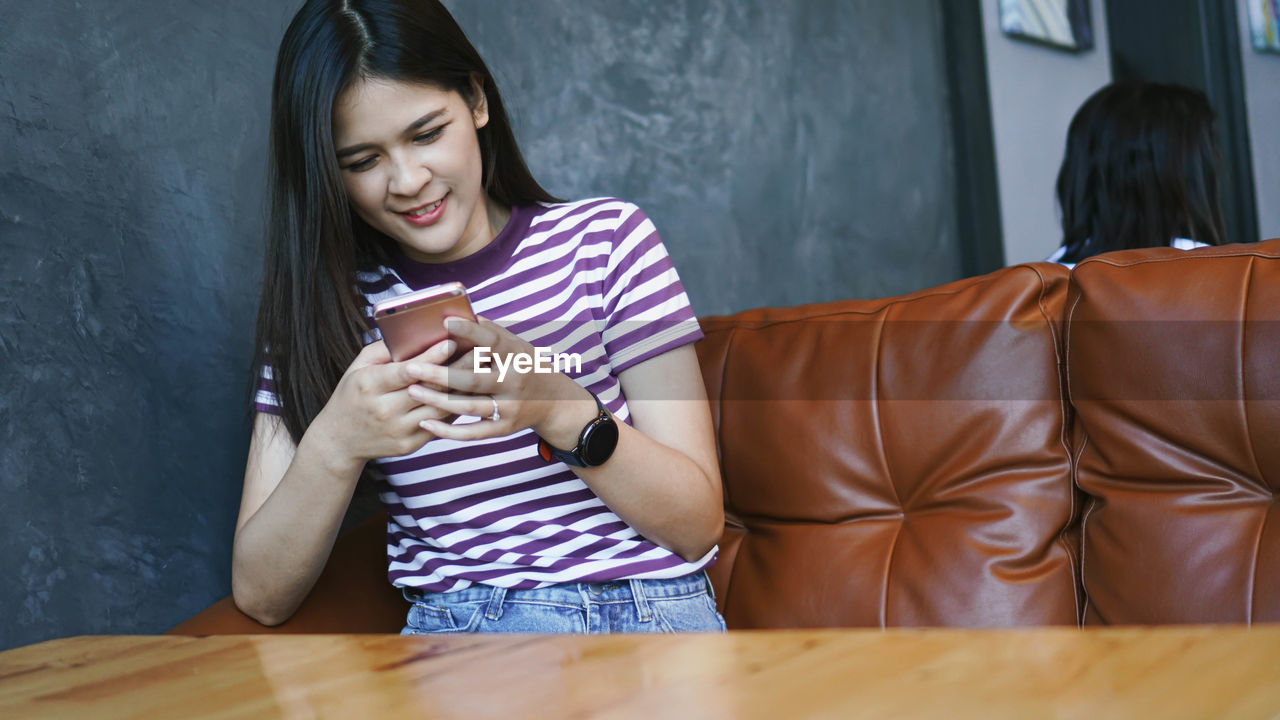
(642, 601)
(493, 610)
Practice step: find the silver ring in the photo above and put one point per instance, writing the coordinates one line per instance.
(495, 417)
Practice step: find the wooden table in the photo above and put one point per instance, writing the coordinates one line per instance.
(1167, 672)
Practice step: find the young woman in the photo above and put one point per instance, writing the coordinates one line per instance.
(1140, 170)
(394, 168)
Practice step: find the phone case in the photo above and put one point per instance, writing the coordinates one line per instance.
(412, 323)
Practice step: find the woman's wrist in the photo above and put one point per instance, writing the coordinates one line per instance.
(323, 447)
(569, 411)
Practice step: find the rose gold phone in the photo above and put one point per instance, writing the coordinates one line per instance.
(413, 322)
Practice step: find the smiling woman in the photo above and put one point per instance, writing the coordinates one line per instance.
(388, 161)
(564, 496)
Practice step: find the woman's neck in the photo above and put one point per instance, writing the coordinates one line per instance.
(497, 214)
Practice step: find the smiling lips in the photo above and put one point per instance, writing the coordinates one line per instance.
(426, 214)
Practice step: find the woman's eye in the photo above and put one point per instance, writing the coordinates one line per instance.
(428, 136)
(364, 164)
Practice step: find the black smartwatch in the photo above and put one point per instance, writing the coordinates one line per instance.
(595, 443)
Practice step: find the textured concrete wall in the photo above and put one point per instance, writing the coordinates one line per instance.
(132, 146)
(788, 152)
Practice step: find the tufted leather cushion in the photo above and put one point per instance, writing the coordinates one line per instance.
(1174, 371)
(901, 461)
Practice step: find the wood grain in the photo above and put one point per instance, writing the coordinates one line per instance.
(1095, 673)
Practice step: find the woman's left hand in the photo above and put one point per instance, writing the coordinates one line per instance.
(550, 403)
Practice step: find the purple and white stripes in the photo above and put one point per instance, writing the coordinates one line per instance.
(591, 278)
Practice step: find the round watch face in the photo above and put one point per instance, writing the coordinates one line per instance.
(600, 441)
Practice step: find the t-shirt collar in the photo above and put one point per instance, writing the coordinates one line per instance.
(477, 267)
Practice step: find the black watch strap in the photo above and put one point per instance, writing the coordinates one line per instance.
(595, 445)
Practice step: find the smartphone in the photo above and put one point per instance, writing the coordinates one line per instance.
(413, 322)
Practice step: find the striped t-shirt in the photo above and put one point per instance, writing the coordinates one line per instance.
(590, 278)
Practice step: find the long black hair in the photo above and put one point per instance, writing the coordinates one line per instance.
(311, 316)
(1140, 169)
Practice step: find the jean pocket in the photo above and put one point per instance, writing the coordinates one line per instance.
(438, 619)
(689, 614)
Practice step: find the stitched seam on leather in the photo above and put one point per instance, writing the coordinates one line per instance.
(1102, 260)
(1248, 436)
(1253, 577)
(884, 463)
(875, 409)
(1059, 351)
(1082, 610)
(1084, 526)
(724, 375)
(1075, 488)
(888, 572)
(1253, 450)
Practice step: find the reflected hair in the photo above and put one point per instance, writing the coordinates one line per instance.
(311, 319)
(1141, 168)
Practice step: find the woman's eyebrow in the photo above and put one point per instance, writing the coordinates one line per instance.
(412, 128)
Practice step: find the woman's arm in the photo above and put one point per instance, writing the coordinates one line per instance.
(290, 510)
(294, 498)
(663, 479)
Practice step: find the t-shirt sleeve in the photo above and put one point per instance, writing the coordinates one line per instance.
(646, 309)
(265, 399)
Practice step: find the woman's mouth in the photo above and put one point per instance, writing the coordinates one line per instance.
(425, 215)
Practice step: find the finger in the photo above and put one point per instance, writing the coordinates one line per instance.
(467, 360)
(470, 431)
(476, 405)
(426, 412)
(393, 377)
(465, 380)
(458, 379)
(436, 354)
(473, 333)
(503, 336)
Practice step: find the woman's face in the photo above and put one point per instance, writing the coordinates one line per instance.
(411, 166)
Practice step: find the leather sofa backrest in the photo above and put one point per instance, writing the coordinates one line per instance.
(902, 461)
(1173, 361)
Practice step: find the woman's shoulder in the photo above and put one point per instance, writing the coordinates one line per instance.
(596, 209)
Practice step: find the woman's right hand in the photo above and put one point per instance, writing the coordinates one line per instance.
(371, 414)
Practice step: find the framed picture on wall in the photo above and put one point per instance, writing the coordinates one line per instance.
(1264, 25)
(1058, 23)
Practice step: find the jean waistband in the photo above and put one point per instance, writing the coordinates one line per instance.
(574, 593)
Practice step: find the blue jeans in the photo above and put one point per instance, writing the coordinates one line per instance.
(624, 606)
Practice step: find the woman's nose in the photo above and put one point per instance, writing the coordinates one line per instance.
(408, 177)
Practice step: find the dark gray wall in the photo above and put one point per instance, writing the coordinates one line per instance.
(788, 152)
(132, 142)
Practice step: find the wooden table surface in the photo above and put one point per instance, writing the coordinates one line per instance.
(1175, 672)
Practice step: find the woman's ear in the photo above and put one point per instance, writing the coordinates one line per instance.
(479, 103)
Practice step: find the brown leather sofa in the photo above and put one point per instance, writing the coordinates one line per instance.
(1029, 447)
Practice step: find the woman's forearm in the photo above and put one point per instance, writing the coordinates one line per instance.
(658, 490)
(280, 551)
(661, 493)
